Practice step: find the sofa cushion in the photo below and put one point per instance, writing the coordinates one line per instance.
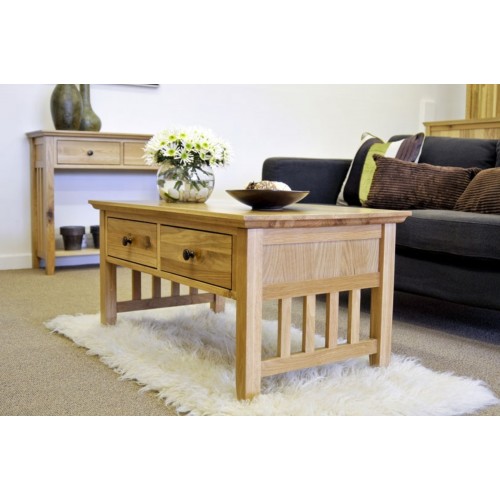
(482, 153)
(464, 234)
(359, 178)
(482, 194)
(402, 185)
(321, 177)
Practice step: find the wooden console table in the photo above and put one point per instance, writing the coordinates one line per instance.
(53, 151)
(251, 256)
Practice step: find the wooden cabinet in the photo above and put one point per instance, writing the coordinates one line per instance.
(482, 101)
(485, 128)
(60, 150)
(482, 116)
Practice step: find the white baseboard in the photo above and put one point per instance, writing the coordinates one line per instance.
(17, 261)
(23, 261)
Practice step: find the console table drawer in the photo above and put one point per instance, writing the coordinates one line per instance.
(199, 255)
(88, 152)
(132, 241)
(133, 153)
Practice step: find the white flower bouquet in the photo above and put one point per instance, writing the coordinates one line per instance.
(185, 158)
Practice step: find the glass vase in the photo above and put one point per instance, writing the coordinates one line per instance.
(185, 183)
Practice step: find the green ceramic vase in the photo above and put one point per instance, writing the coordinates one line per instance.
(89, 120)
(66, 107)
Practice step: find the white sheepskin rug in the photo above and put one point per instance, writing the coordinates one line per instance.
(187, 356)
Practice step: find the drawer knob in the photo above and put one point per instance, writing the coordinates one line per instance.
(127, 240)
(187, 254)
(90, 152)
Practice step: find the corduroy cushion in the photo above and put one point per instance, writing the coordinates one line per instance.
(482, 194)
(402, 185)
(359, 178)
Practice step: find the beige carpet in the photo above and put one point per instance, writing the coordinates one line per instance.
(46, 374)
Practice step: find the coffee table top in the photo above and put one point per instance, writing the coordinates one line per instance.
(237, 215)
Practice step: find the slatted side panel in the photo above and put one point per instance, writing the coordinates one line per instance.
(157, 300)
(331, 350)
(326, 261)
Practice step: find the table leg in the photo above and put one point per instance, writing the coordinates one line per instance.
(382, 298)
(107, 280)
(218, 304)
(108, 293)
(248, 313)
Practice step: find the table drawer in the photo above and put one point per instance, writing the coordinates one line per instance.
(88, 152)
(133, 241)
(133, 153)
(199, 255)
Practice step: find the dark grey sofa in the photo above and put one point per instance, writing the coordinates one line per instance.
(445, 254)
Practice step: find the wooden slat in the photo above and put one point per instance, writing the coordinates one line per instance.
(332, 319)
(284, 327)
(322, 356)
(482, 101)
(322, 234)
(180, 300)
(218, 304)
(300, 288)
(308, 323)
(354, 316)
(175, 288)
(136, 285)
(155, 287)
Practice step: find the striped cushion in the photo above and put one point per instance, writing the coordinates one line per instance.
(482, 194)
(402, 185)
(359, 178)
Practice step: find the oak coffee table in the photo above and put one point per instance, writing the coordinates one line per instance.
(228, 250)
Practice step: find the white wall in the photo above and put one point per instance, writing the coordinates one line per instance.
(257, 120)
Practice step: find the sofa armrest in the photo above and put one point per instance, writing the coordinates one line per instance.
(322, 177)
